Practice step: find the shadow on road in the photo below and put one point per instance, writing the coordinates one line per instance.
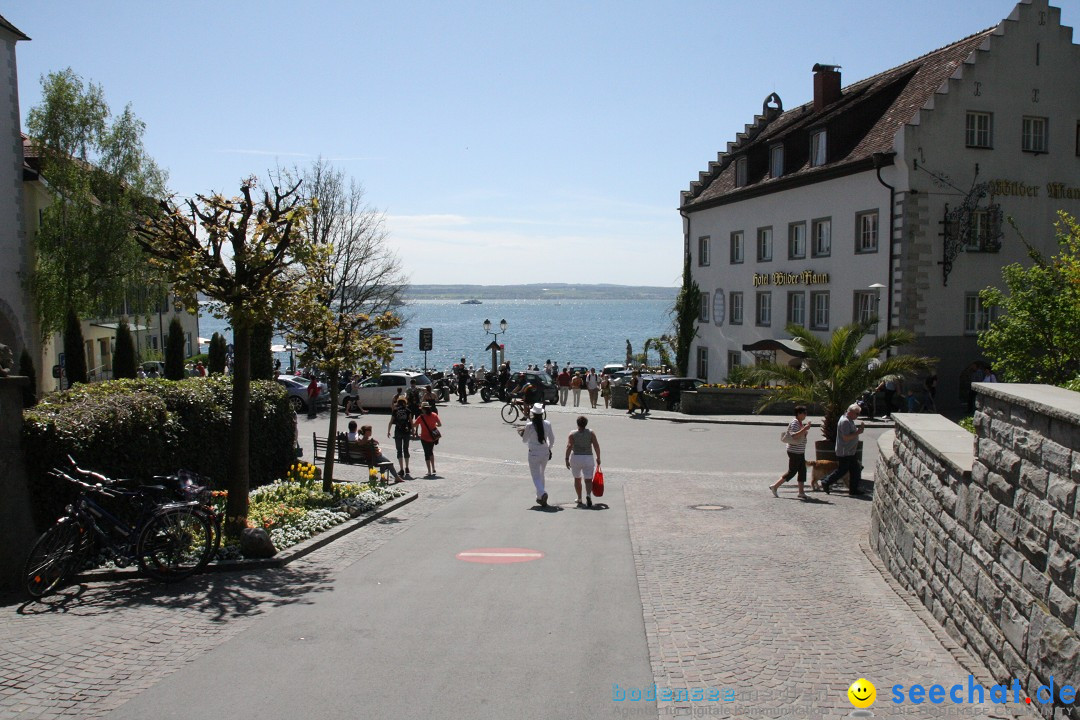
(217, 596)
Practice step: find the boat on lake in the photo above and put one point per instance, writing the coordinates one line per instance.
(473, 301)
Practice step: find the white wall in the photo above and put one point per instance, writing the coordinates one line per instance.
(14, 311)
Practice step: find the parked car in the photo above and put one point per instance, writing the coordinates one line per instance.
(572, 369)
(612, 368)
(377, 392)
(296, 386)
(542, 379)
(670, 390)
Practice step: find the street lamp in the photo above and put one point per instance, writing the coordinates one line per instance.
(494, 346)
(877, 288)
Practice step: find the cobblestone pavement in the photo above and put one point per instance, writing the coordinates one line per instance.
(776, 600)
(91, 648)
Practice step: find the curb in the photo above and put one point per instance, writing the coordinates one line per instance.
(282, 559)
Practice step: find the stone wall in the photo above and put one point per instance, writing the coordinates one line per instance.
(16, 527)
(984, 529)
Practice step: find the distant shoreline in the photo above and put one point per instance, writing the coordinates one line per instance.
(540, 291)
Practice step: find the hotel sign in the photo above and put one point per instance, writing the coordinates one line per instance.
(1054, 190)
(806, 277)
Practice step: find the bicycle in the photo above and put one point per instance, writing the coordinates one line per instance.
(168, 540)
(516, 409)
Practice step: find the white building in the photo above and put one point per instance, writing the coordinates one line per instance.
(887, 197)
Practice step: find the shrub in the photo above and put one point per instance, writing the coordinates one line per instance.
(74, 352)
(215, 362)
(124, 365)
(142, 428)
(174, 351)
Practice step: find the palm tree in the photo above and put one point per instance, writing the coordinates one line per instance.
(834, 372)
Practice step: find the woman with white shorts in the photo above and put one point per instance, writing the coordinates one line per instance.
(579, 458)
(540, 439)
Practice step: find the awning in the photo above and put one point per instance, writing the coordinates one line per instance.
(114, 326)
(791, 346)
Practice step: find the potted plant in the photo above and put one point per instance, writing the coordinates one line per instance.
(835, 373)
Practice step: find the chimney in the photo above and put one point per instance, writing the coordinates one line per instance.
(826, 85)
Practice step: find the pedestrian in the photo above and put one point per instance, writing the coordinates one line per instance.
(352, 400)
(372, 455)
(575, 387)
(605, 390)
(427, 397)
(796, 451)
(540, 439)
(563, 381)
(930, 392)
(462, 382)
(401, 425)
(354, 433)
(592, 384)
(847, 445)
(579, 458)
(425, 425)
(313, 391)
(413, 399)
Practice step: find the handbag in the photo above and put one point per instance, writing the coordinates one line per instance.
(598, 482)
(434, 432)
(786, 438)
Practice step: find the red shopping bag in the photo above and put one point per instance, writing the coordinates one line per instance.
(598, 483)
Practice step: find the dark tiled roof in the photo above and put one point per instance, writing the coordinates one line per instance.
(11, 28)
(862, 122)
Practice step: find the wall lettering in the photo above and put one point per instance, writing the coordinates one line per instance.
(1015, 188)
(806, 277)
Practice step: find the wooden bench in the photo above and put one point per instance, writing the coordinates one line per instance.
(349, 455)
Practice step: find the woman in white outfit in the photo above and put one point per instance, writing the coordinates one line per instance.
(540, 439)
(579, 458)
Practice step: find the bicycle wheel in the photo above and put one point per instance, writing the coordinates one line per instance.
(175, 543)
(509, 413)
(55, 556)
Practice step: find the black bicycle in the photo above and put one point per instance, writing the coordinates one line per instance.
(168, 539)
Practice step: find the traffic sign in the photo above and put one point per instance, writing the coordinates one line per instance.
(425, 339)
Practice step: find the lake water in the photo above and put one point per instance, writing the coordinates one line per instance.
(578, 332)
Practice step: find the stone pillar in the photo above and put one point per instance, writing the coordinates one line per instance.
(16, 524)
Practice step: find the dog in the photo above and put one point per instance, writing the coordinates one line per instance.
(819, 469)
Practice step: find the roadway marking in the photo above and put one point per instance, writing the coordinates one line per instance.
(499, 556)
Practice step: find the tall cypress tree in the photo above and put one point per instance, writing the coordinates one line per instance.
(26, 368)
(262, 359)
(687, 310)
(215, 360)
(174, 351)
(124, 357)
(74, 350)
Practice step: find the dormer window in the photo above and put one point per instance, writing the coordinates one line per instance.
(740, 172)
(818, 151)
(776, 161)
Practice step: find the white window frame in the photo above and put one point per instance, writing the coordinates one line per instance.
(864, 305)
(819, 310)
(819, 150)
(764, 244)
(703, 312)
(740, 172)
(734, 359)
(735, 308)
(866, 232)
(763, 308)
(776, 161)
(703, 362)
(821, 240)
(703, 251)
(978, 230)
(797, 240)
(979, 129)
(738, 247)
(796, 308)
(1035, 134)
(977, 317)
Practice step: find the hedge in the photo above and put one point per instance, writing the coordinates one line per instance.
(146, 427)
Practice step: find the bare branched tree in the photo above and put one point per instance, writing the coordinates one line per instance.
(360, 286)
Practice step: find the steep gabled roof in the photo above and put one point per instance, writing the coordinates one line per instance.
(5, 25)
(869, 113)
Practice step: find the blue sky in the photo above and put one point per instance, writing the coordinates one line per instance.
(505, 141)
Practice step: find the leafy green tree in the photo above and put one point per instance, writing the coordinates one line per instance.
(124, 365)
(262, 358)
(251, 255)
(1037, 338)
(26, 368)
(74, 350)
(835, 372)
(215, 362)
(353, 289)
(687, 310)
(174, 351)
(101, 180)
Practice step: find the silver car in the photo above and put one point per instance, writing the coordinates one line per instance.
(376, 393)
(296, 387)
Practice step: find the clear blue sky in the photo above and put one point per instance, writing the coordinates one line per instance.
(506, 141)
